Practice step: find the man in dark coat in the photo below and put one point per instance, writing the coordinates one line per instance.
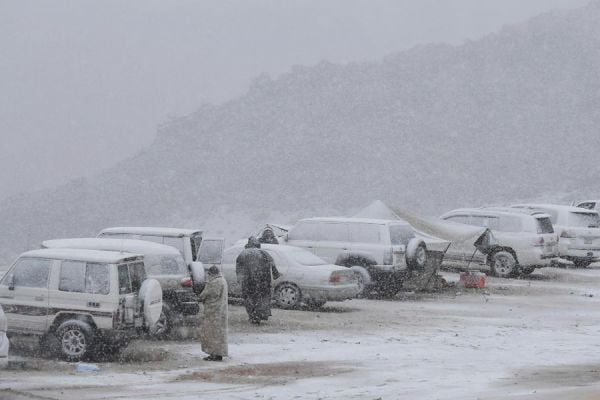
(253, 268)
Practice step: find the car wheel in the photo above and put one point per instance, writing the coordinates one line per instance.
(316, 303)
(527, 270)
(75, 339)
(416, 255)
(363, 278)
(581, 263)
(503, 264)
(287, 296)
(162, 328)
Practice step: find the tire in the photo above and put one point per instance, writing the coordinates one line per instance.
(287, 296)
(75, 340)
(362, 276)
(527, 270)
(503, 264)
(162, 329)
(416, 255)
(581, 263)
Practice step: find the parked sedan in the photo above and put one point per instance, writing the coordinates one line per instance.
(3, 340)
(305, 278)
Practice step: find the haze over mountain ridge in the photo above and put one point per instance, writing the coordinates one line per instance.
(514, 115)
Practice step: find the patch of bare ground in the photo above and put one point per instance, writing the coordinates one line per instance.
(268, 373)
(556, 376)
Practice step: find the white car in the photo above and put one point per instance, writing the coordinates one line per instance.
(3, 340)
(163, 263)
(305, 278)
(525, 240)
(578, 230)
(80, 301)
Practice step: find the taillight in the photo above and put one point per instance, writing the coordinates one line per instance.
(388, 257)
(187, 282)
(567, 235)
(335, 278)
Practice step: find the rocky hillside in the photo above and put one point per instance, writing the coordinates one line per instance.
(514, 115)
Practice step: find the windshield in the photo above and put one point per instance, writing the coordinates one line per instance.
(195, 241)
(544, 225)
(159, 264)
(304, 257)
(401, 234)
(584, 219)
(210, 251)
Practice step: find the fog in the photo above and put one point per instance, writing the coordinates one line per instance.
(85, 83)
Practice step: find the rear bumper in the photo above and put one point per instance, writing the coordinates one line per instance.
(330, 293)
(578, 253)
(536, 257)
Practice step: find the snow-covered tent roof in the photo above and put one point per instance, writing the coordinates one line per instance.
(433, 227)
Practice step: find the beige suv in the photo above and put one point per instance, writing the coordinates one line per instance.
(80, 301)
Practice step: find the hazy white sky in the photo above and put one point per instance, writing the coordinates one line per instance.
(84, 84)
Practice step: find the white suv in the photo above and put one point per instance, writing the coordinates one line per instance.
(382, 252)
(579, 231)
(161, 262)
(80, 301)
(196, 248)
(525, 240)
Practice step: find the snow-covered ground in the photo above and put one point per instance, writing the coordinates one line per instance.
(526, 339)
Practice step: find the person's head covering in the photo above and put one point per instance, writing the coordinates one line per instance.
(253, 243)
(214, 270)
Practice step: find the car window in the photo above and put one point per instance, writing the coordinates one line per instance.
(210, 251)
(159, 264)
(303, 231)
(29, 272)
(333, 232)
(544, 225)
(461, 219)
(401, 234)
(584, 219)
(508, 223)
(230, 255)
(304, 257)
(124, 279)
(364, 233)
(137, 272)
(588, 204)
(79, 276)
(195, 242)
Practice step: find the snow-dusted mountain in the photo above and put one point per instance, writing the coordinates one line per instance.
(514, 115)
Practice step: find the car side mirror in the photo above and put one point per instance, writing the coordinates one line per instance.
(11, 283)
(198, 275)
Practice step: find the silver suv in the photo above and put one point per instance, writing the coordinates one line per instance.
(380, 251)
(161, 262)
(196, 248)
(79, 301)
(579, 231)
(525, 240)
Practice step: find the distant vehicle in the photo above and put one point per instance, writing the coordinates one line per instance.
(163, 263)
(381, 252)
(80, 301)
(4, 344)
(305, 278)
(589, 204)
(191, 243)
(578, 230)
(525, 240)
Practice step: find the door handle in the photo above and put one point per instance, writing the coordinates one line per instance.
(39, 298)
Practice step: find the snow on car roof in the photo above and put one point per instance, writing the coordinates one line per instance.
(147, 230)
(109, 257)
(359, 220)
(557, 207)
(111, 244)
(503, 211)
